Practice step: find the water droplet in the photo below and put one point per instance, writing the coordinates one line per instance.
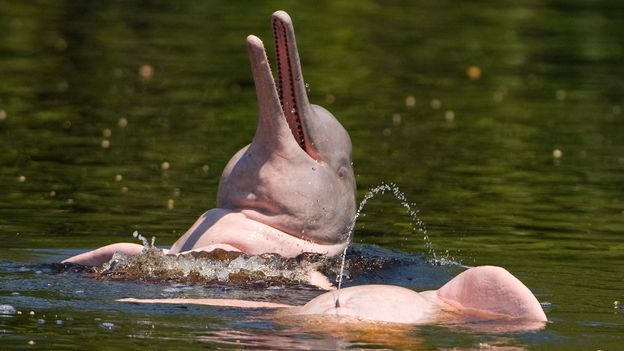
(557, 153)
(122, 122)
(449, 116)
(435, 104)
(417, 223)
(396, 119)
(410, 101)
(473, 72)
(146, 71)
(141, 238)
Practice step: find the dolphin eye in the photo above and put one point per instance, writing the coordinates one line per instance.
(342, 172)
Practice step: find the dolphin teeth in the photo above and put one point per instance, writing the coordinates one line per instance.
(284, 68)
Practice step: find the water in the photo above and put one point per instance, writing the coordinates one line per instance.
(502, 121)
(417, 225)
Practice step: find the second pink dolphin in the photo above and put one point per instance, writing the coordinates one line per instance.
(484, 293)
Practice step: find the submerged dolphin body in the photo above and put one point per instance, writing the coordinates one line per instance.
(292, 190)
(484, 293)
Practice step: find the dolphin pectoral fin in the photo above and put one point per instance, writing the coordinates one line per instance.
(104, 254)
(188, 241)
(211, 302)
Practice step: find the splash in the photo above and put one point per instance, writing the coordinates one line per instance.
(143, 240)
(228, 268)
(218, 267)
(417, 225)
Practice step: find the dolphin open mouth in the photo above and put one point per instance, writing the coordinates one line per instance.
(291, 89)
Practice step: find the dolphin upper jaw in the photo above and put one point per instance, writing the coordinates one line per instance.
(291, 89)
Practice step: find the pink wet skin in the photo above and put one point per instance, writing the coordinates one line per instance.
(482, 293)
(486, 293)
(292, 190)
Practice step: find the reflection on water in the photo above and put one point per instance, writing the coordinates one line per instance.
(501, 123)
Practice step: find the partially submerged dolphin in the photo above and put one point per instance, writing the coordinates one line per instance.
(292, 190)
(485, 293)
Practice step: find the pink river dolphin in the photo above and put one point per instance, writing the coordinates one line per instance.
(484, 293)
(292, 190)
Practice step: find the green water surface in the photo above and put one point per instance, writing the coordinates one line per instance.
(502, 122)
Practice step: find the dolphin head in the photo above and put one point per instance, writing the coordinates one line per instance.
(296, 175)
